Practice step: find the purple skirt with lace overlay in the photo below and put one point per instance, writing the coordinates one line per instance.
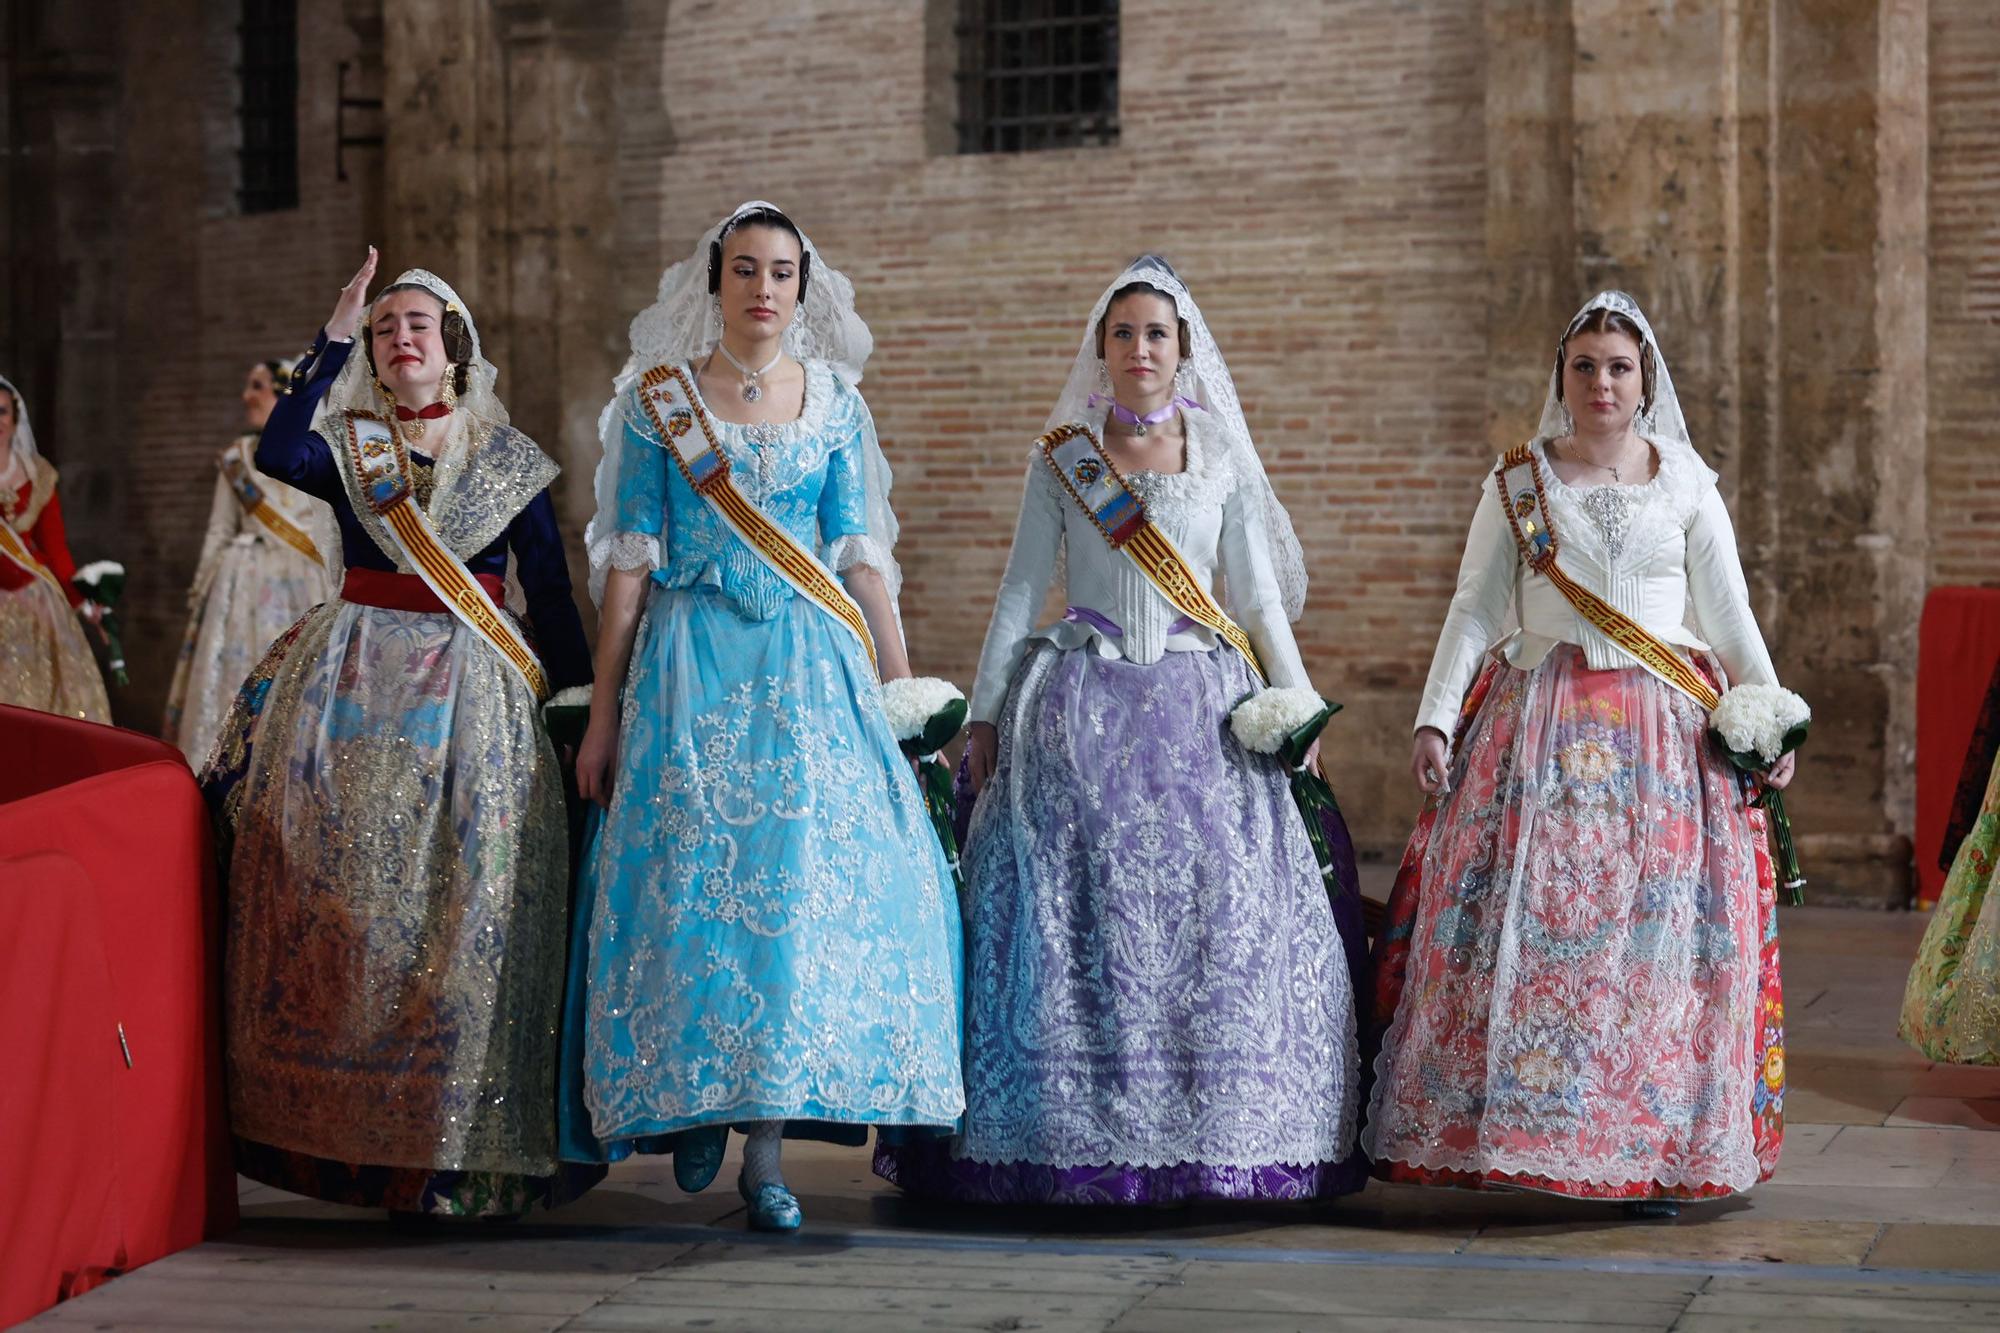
(1149, 951)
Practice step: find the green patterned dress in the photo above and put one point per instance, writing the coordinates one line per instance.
(1951, 1008)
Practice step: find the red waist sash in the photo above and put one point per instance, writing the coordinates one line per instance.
(405, 592)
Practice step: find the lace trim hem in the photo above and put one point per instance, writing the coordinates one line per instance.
(1738, 1177)
(1332, 1148)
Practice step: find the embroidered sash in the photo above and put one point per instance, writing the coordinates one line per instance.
(241, 475)
(675, 412)
(15, 549)
(1522, 496)
(382, 467)
(1086, 472)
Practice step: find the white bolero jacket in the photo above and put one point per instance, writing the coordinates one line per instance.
(1214, 519)
(1678, 552)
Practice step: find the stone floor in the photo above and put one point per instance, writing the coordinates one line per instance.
(1885, 1212)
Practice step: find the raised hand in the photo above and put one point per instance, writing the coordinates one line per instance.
(353, 300)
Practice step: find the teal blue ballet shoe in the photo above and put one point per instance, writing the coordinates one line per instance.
(698, 1156)
(772, 1207)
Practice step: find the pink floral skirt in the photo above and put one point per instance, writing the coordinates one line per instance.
(1579, 973)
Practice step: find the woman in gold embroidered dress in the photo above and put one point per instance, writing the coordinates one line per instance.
(1951, 1005)
(398, 860)
(253, 579)
(45, 661)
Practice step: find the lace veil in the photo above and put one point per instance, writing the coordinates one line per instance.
(684, 323)
(1663, 422)
(1211, 386)
(354, 389)
(24, 434)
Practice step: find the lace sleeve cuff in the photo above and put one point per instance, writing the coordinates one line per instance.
(844, 553)
(633, 550)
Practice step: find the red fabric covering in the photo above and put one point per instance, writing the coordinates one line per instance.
(1958, 642)
(405, 592)
(108, 918)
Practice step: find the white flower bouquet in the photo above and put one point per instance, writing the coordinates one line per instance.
(103, 582)
(1285, 722)
(1755, 726)
(926, 714)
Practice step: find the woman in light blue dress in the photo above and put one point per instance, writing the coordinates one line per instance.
(767, 932)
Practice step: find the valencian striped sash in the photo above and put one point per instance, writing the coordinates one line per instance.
(689, 436)
(382, 466)
(1522, 496)
(237, 469)
(1086, 473)
(14, 548)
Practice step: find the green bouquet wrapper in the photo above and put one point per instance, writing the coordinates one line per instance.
(1311, 793)
(1771, 801)
(105, 589)
(934, 779)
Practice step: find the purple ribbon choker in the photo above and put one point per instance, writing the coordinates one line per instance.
(1152, 418)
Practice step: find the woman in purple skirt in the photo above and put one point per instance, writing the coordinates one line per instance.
(1158, 1006)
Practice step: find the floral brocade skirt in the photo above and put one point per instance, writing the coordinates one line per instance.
(766, 925)
(1158, 1002)
(1951, 1005)
(258, 590)
(1579, 973)
(45, 660)
(394, 834)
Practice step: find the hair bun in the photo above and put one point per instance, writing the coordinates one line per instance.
(1152, 260)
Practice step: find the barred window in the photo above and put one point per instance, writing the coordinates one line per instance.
(269, 111)
(1037, 74)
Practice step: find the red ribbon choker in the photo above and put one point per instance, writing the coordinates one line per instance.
(431, 413)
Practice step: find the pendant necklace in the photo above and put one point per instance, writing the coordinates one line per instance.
(1141, 424)
(753, 387)
(1584, 459)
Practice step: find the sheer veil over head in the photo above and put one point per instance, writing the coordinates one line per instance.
(684, 324)
(355, 390)
(24, 434)
(1661, 420)
(1220, 418)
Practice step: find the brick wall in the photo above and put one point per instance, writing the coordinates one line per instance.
(1964, 365)
(1324, 176)
(1316, 175)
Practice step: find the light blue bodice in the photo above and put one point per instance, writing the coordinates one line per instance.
(805, 474)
